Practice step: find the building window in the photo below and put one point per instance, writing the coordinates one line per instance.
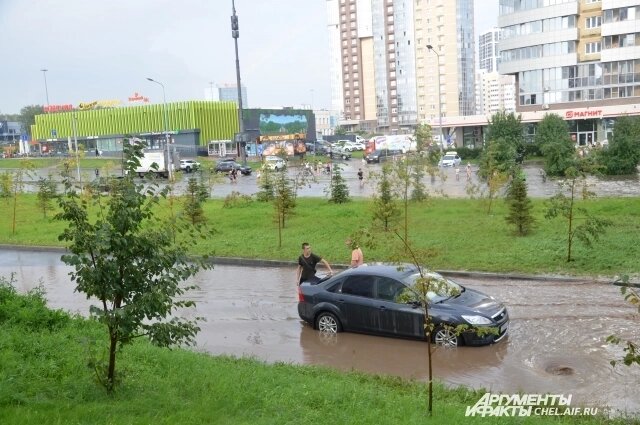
(593, 22)
(592, 48)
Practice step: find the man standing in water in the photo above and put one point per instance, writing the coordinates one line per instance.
(307, 265)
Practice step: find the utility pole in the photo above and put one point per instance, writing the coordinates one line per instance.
(46, 89)
(235, 33)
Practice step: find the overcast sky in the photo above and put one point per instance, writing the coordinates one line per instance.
(104, 49)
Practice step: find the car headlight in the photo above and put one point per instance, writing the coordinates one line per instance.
(477, 320)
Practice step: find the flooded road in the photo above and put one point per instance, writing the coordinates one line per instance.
(444, 184)
(556, 342)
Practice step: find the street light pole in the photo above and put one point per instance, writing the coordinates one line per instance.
(235, 33)
(75, 141)
(46, 89)
(166, 129)
(430, 47)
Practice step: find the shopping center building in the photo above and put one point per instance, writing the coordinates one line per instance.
(193, 128)
(190, 125)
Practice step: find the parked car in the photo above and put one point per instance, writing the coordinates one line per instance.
(381, 155)
(226, 165)
(450, 159)
(339, 152)
(320, 147)
(371, 299)
(189, 165)
(353, 146)
(275, 163)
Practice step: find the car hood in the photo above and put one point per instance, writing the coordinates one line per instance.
(474, 301)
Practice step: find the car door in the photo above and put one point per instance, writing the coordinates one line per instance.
(356, 302)
(397, 317)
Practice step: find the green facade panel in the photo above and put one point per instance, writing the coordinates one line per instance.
(215, 120)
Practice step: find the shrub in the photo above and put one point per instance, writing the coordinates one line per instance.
(236, 199)
(28, 311)
(468, 153)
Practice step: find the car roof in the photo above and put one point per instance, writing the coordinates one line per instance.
(397, 271)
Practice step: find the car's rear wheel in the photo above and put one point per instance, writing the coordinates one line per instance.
(328, 322)
(446, 337)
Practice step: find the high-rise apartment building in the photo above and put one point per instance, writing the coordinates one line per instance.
(581, 57)
(229, 92)
(488, 54)
(495, 92)
(383, 76)
(447, 26)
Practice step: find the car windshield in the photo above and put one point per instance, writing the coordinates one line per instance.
(449, 157)
(439, 288)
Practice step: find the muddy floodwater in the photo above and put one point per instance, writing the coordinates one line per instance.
(556, 343)
(445, 183)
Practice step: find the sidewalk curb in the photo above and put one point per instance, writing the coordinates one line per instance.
(258, 262)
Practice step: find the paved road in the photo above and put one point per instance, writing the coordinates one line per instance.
(445, 183)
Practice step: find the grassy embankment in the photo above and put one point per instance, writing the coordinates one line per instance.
(459, 233)
(45, 379)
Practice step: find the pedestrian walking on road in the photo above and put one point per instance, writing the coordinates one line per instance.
(307, 262)
(468, 171)
(361, 177)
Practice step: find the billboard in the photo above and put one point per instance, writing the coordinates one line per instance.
(272, 124)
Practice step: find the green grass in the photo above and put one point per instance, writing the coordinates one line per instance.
(44, 378)
(458, 232)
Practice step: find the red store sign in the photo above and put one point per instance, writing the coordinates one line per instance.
(594, 113)
(57, 108)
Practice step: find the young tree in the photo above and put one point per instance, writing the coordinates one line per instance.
(28, 116)
(423, 137)
(385, 209)
(284, 201)
(520, 205)
(590, 227)
(339, 191)
(267, 186)
(126, 257)
(622, 156)
(508, 128)
(26, 167)
(421, 293)
(496, 164)
(631, 348)
(6, 184)
(195, 196)
(47, 192)
(340, 131)
(555, 143)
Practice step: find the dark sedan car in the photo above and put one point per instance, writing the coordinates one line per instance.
(382, 155)
(225, 166)
(377, 299)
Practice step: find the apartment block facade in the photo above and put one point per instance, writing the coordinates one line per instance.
(580, 57)
(384, 78)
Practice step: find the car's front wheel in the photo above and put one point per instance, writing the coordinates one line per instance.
(445, 336)
(328, 322)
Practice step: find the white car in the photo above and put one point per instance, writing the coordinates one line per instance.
(189, 165)
(275, 163)
(450, 159)
(353, 146)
